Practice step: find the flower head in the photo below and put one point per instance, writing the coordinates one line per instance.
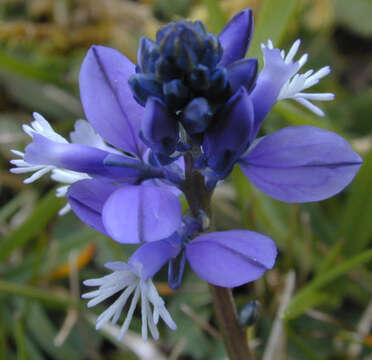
(177, 123)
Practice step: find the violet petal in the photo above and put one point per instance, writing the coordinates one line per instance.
(242, 73)
(136, 213)
(274, 75)
(107, 99)
(301, 164)
(159, 128)
(87, 197)
(77, 157)
(236, 37)
(150, 257)
(231, 258)
(229, 137)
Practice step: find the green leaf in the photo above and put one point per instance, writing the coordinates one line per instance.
(44, 296)
(17, 65)
(34, 224)
(356, 224)
(300, 303)
(46, 98)
(44, 333)
(19, 338)
(13, 205)
(331, 258)
(270, 214)
(356, 16)
(272, 22)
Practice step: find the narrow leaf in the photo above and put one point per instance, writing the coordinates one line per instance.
(271, 23)
(34, 225)
(299, 303)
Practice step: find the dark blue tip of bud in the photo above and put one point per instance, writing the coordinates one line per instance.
(183, 60)
(212, 51)
(197, 116)
(147, 55)
(199, 78)
(176, 94)
(143, 86)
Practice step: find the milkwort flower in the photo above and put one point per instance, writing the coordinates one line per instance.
(178, 122)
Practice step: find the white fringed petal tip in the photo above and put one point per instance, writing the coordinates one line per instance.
(124, 279)
(294, 87)
(42, 127)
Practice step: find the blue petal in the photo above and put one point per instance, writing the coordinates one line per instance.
(236, 37)
(107, 98)
(87, 197)
(77, 157)
(301, 164)
(231, 258)
(159, 128)
(229, 136)
(275, 74)
(150, 257)
(136, 213)
(242, 73)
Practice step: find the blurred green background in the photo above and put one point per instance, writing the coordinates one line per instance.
(324, 265)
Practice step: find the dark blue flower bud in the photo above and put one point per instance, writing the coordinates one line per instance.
(199, 27)
(184, 61)
(167, 70)
(144, 86)
(199, 78)
(147, 55)
(212, 51)
(197, 116)
(219, 90)
(181, 44)
(176, 94)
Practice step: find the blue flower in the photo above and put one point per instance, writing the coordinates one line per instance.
(178, 122)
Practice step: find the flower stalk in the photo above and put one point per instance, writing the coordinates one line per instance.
(233, 335)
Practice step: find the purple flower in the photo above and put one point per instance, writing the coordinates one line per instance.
(178, 122)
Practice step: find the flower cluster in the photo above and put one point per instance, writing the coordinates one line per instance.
(177, 123)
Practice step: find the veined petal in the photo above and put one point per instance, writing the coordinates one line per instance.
(136, 213)
(231, 258)
(236, 37)
(107, 99)
(301, 164)
(87, 197)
